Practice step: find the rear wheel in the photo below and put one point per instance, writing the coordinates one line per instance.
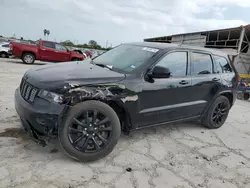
(90, 131)
(246, 96)
(3, 55)
(28, 58)
(217, 113)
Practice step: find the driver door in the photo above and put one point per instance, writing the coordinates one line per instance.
(61, 53)
(167, 99)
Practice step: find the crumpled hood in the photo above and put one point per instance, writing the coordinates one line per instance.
(80, 73)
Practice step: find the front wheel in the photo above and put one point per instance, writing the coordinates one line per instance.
(28, 58)
(217, 113)
(90, 132)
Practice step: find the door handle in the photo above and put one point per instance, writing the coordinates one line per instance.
(183, 82)
(216, 79)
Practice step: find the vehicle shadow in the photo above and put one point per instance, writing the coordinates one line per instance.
(54, 151)
(20, 62)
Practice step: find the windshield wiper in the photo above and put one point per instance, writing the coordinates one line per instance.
(103, 65)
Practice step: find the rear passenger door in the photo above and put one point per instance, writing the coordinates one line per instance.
(205, 81)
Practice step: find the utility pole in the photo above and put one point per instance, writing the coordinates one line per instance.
(107, 44)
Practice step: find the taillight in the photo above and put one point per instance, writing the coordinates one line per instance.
(11, 47)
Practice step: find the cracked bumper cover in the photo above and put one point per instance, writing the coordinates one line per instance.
(41, 116)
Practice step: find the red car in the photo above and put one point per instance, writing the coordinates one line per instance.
(44, 51)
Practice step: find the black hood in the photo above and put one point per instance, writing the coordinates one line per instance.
(80, 73)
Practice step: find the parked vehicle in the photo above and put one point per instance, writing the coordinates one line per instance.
(87, 53)
(244, 87)
(135, 85)
(5, 50)
(44, 51)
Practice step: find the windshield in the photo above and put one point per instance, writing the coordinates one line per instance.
(126, 57)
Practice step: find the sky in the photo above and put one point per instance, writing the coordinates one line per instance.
(111, 22)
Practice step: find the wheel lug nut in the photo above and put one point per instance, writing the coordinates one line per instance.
(95, 128)
(87, 134)
(93, 134)
(85, 129)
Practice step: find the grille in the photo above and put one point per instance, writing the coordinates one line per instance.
(28, 92)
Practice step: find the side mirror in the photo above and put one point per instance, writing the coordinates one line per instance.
(160, 72)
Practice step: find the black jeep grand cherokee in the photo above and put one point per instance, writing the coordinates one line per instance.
(133, 86)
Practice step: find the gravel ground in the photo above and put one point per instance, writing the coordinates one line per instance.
(177, 155)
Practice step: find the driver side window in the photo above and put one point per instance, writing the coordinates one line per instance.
(176, 62)
(61, 48)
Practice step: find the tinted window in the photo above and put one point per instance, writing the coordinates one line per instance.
(176, 62)
(48, 44)
(221, 65)
(60, 47)
(6, 45)
(126, 57)
(201, 64)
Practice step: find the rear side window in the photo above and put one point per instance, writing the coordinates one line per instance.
(201, 64)
(176, 62)
(48, 45)
(222, 65)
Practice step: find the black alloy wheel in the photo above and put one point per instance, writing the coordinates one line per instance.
(90, 131)
(220, 113)
(217, 113)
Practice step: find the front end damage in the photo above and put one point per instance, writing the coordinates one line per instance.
(42, 119)
(115, 95)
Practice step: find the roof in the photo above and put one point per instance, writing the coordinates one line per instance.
(155, 45)
(172, 46)
(218, 30)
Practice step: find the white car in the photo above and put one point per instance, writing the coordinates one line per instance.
(5, 49)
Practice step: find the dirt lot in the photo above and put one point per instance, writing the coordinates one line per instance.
(177, 155)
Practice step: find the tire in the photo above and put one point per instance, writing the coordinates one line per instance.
(246, 96)
(76, 112)
(3, 55)
(28, 58)
(209, 119)
(240, 95)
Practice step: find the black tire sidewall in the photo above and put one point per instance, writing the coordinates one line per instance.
(3, 55)
(77, 109)
(208, 119)
(240, 95)
(30, 55)
(246, 96)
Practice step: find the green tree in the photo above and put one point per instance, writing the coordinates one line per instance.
(68, 43)
(92, 43)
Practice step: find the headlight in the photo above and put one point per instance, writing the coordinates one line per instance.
(50, 96)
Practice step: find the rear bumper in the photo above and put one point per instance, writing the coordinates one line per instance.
(41, 117)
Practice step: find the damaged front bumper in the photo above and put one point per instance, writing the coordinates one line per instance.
(40, 118)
